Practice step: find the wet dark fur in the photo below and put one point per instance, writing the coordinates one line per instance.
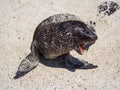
(53, 40)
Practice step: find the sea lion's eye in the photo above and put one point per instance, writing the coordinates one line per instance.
(87, 32)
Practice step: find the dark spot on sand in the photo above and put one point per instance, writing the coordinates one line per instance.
(92, 23)
(108, 8)
(19, 37)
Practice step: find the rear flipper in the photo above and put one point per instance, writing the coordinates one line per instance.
(75, 63)
(29, 63)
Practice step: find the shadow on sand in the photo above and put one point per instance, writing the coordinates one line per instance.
(60, 63)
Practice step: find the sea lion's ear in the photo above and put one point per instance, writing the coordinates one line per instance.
(79, 30)
(27, 64)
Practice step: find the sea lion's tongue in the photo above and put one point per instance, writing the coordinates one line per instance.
(81, 49)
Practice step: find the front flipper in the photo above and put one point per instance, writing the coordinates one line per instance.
(29, 63)
(75, 63)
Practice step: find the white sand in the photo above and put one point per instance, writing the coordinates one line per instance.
(18, 20)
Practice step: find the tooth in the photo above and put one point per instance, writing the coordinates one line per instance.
(81, 49)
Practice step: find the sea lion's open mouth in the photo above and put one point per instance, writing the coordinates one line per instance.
(85, 46)
(81, 49)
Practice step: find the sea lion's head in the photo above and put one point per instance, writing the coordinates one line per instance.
(84, 36)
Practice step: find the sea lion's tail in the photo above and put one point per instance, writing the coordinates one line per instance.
(27, 64)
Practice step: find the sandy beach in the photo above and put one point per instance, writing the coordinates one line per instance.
(18, 20)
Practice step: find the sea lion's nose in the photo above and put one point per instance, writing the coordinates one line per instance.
(95, 37)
